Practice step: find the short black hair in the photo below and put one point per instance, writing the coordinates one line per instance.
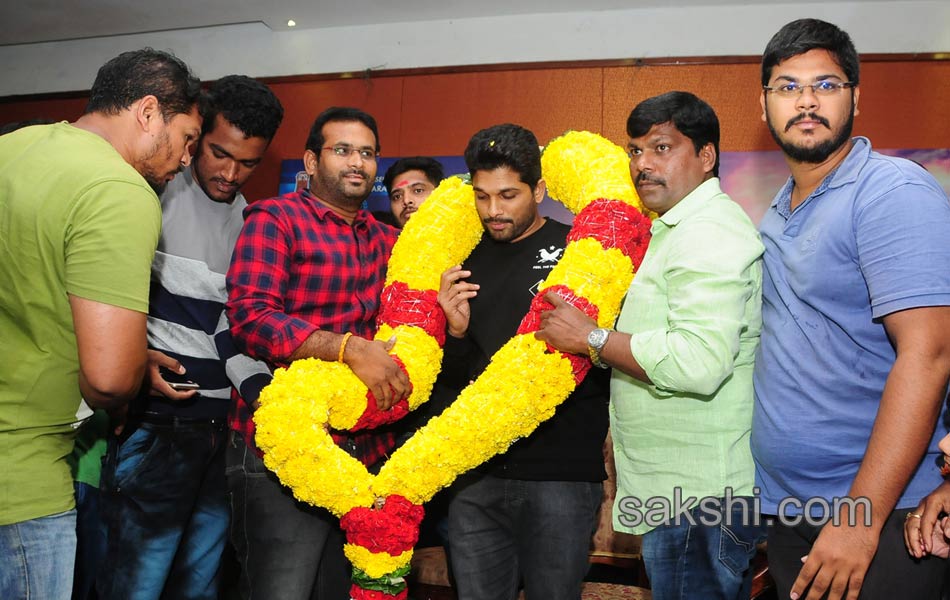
(506, 145)
(798, 37)
(691, 116)
(245, 103)
(429, 166)
(147, 72)
(315, 139)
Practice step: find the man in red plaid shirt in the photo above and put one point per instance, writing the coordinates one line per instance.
(305, 281)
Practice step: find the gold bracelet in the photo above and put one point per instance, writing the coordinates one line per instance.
(346, 336)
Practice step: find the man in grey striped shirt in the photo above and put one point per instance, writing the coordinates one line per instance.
(163, 482)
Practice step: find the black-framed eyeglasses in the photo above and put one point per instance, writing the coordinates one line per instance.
(793, 89)
(344, 150)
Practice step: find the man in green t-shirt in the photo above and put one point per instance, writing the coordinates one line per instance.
(79, 222)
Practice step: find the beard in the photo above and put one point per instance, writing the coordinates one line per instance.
(157, 186)
(811, 154)
(154, 179)
(334, 188)
(517, 229)
(205, 182)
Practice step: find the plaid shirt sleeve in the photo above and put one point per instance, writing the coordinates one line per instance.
(257, 282)
(263, 296)
(247, 375)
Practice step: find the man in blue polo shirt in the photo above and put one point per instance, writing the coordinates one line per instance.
(855, 349)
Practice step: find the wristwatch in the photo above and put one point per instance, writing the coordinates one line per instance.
(596, 340)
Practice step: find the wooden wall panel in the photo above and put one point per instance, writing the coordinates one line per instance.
(731, 89)
(904, 104)
(441, 112)
(58, 109)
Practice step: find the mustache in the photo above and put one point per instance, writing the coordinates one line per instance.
(359, 172)
(644, 176)
(809, 116)
(497, 220)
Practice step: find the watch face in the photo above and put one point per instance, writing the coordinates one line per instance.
(597, 338)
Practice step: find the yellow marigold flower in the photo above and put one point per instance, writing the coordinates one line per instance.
(520, 388)
(440, 235)
(422, 356)
(375, 564)
(591, 272)
(286, 417)
(580, 167)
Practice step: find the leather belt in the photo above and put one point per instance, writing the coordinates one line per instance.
(169, 420)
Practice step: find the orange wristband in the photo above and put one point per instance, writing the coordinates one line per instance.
(346, 336)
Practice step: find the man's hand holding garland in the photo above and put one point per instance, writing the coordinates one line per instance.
(565, 327)
(454, 294)
(372, 364)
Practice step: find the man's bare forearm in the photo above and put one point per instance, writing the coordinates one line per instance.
(902, 430)
(618, 355)
(369, 360)
(111, 344)
(321, 344)
(910, 406)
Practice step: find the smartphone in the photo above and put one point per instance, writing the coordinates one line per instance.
(183, 386)
(177, 382)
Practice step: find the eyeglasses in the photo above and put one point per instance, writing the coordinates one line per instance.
(794, 89)
(344, 150)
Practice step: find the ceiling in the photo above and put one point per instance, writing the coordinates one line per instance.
(31, 21)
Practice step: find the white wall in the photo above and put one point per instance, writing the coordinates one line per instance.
(256, 50)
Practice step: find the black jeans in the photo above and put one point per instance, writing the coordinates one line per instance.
(893, 572)
(503, 531)
(288, 550)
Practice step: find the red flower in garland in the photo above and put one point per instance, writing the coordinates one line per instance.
(358, 593)
(393, 529)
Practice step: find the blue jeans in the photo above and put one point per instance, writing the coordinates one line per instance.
(36, 558)
(692, 560)
(503, 531)
(287, 549)
(164, 501)
(90, 541)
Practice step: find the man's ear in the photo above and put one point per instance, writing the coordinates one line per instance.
(708, 154)
(539, 190)
(148, 113)
(857, 92)
(310, 162)
(762, 104)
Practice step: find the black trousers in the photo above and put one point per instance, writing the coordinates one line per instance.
(893, 573)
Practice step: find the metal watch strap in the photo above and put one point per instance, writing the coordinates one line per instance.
(594, 351)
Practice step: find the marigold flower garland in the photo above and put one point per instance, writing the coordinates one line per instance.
(520, 388)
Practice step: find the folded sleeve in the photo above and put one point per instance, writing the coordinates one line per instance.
(257, 281)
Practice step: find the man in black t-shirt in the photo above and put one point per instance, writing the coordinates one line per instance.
(527, 515)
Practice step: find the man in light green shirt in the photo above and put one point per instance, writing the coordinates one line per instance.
(682, 357)
(79, 221)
